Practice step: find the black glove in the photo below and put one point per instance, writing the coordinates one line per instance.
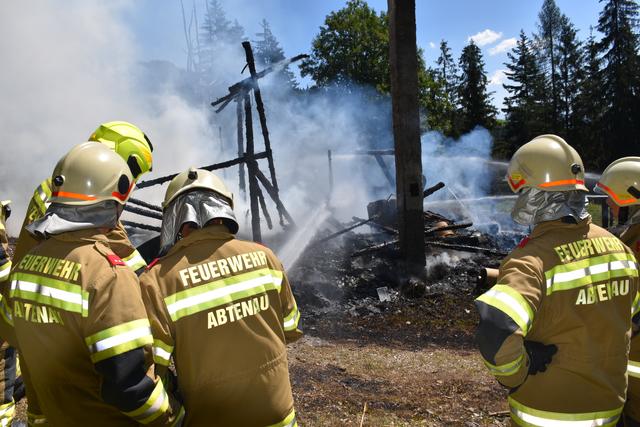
(18, 389)
(170, 382)
(540, 355)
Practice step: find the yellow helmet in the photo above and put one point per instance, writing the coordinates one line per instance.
(91, 173)
(548, 163)
(192, 179)
(621, 181)
(129, 142)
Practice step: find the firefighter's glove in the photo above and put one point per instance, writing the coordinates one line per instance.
(170, 381)
(18, 389)
(540, 355)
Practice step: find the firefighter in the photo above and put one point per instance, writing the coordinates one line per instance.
(556, 327)
(7, 353)
(135, 148)
(77, 310)
(222, 308)
(621, 182)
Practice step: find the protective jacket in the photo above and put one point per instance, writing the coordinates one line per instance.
(38, 205)
(223, 309)
(631, 238)
(573, 286)
(83, 331)
(6, 329)
(7, 353)
(5, 259)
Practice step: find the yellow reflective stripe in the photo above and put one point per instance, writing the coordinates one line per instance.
(54, 292)
(290, 322)
(223, 291)
(39, 204)
(119, 339)
(582, 264)
(278, 276)
(45, 186)
(506, 369)
(135, 261)
(635, 308)
(525, 416)
(511, 303)
(289, 421)
(36, 419)
(633, 369)
(41, 195)
(591, 270)
(179, 417)
(4, 270)
(161, 352)
(156, 405)
(7, 412)
(5, 311)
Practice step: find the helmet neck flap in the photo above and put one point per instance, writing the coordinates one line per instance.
(197, 207)
(61, 218)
